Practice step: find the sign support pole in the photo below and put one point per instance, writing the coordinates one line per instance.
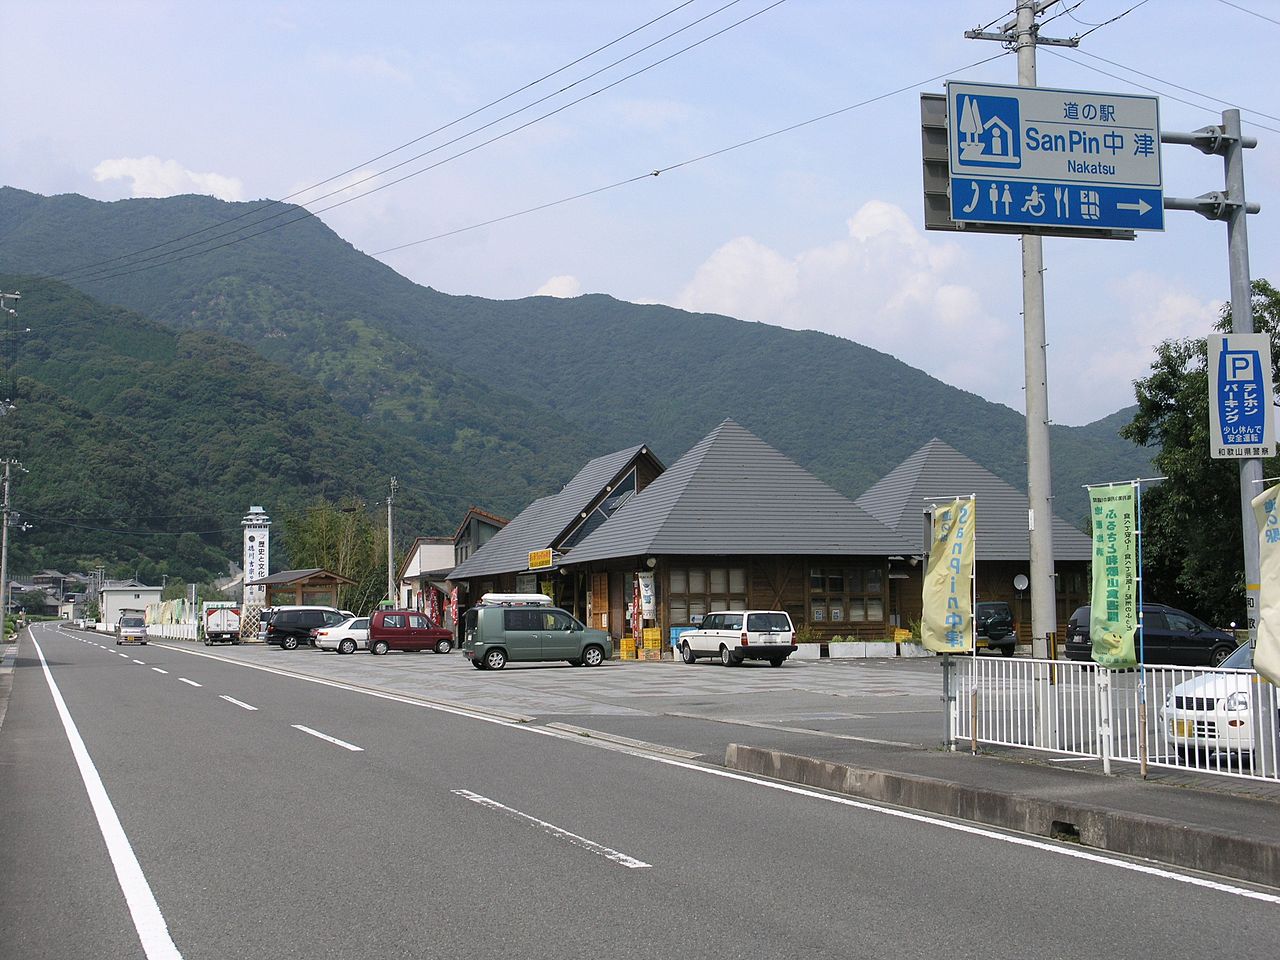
(1242, 322)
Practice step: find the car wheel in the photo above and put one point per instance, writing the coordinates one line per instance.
(444, 646)
(776, 661)
(1007, 651)
(593, 656)
(495, 660)
(347, 646)
(574, 662)
(289, 643)
(1218, 654)
(686, 654)
(208, 643)
(478, 664)
(118, 642)
(727, 658)
(378, 648)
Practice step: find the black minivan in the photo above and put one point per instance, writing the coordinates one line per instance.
(1172, 636)
(995, 626)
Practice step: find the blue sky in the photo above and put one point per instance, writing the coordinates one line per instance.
(819, 228)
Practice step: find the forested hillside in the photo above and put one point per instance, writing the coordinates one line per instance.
(510, 396)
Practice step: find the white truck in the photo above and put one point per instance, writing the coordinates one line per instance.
(221, 622)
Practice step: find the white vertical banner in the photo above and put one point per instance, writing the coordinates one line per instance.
(648, 604)
(1266, 656)
(257, 554)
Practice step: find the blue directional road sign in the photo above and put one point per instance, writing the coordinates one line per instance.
(1061, 159)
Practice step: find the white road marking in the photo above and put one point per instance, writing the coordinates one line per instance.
(559, 833)
(238, 703)
(1043, 846)
(191, 682)
(152, 929)
(140, 662)
(158, 670)
(325, 736)
(125, 655)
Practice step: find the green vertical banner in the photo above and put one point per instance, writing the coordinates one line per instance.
(1113, 610)
(946, 625)
(1266, 654)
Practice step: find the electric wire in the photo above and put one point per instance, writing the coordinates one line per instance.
(1067, 11)
(1112, 20)
(1253, 13)
(387, 153)
(124, 269)
(27, 515)
(693, 160)
(1156, 90)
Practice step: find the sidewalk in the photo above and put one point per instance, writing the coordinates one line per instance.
(1212, 826)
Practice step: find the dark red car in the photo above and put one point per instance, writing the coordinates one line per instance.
(406, 630)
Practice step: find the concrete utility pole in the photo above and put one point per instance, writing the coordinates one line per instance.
(391, 546)
(4, 552)
(6, 402)
(1023, 34)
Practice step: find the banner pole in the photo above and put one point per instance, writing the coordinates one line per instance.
(973, 631)
(1142, 638)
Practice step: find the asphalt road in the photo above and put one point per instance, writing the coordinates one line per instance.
(421, 832)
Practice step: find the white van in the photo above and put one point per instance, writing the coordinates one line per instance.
(736, 635)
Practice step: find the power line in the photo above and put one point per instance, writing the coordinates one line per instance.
(394, 150)
(692, 160)
(122, 530)
(1252, 13)
(1104, 23)
(125, 270)
(1198, 106)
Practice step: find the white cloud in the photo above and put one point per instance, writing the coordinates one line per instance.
(153, 177)
(563, 286)
(884, 285)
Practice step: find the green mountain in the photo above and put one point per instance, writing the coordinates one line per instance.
(512, 396)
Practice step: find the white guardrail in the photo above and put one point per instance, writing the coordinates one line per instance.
(1195, 718)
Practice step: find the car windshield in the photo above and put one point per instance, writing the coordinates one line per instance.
(132, 622)
(1242, 659)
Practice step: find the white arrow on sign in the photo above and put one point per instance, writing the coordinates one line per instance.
(1141, 206)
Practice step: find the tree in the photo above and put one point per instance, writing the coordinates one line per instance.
(1192, 553)
(344, 539)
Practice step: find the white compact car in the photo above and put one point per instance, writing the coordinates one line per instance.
(345, 637)
(732, 636)
(1213, 713)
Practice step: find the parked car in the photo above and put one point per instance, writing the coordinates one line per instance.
(131, 629)
(1171, 636)
(523, 628)
(406, 630)
(290, 626)
(993, 622)
(737, 635)
(345, 637)
(1213, 713)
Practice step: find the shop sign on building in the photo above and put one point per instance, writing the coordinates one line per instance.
(257, 553)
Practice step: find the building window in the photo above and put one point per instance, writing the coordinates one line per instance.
(839, 595)
(696, 591)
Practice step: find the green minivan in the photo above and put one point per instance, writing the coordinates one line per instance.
(525, 628)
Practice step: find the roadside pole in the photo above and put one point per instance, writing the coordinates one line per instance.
(391, 548)
(4, 558)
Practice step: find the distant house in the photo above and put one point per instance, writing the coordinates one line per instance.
(477, 528)
(116, 596)
(938, 473)
(426, 565)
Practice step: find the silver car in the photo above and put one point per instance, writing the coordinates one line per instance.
(345, 637)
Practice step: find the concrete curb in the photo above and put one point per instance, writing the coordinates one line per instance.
(1220, 852)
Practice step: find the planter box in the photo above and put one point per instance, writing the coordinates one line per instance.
(862, 649)
(913, 650)
(808, 651)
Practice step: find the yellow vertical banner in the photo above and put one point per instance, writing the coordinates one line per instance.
(1266, 655)
(946, 625)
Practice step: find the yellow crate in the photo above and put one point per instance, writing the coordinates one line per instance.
(652, 633)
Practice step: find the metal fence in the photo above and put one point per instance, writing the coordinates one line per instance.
(1189, 718)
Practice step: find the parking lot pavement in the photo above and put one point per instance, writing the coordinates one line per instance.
(810, 693)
